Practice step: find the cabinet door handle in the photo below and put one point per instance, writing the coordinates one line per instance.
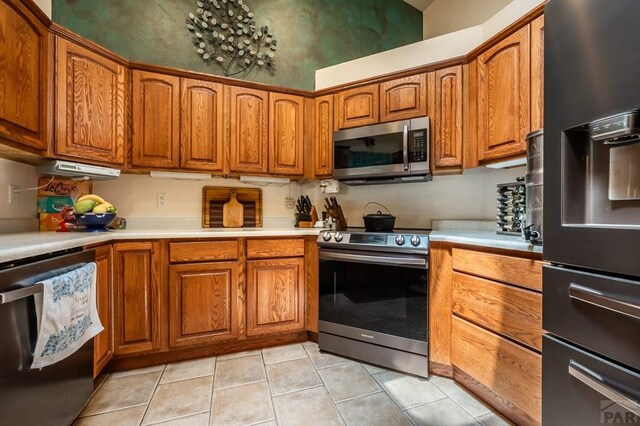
(598, 383)
(599, 299)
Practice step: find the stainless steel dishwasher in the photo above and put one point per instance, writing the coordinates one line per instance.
(53, 395)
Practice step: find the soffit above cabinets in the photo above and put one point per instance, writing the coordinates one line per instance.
(419, 4)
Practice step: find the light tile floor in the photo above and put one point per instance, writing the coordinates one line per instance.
(286, 385)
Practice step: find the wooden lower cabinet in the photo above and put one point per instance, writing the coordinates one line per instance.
(275, 295)
(137, 297)
(103, 342)
(203, 303)
(510, 375)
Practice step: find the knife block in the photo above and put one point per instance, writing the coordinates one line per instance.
(312, 222)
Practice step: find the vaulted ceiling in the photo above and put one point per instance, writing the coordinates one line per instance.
(419, 4)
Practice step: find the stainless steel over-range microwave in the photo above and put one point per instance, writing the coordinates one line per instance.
(383, 153)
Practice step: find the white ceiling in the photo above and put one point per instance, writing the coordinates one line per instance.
(419, 4)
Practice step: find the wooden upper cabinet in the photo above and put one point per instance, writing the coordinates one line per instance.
(90, 105)
(137, 297)
(103, 342)
(446, 132)
(286, 134)
(26, 50)
(537, 73)
(203, 303)
(202, 125)
(357, 107)
(403, 98)
(504, 97)
(275, 295)
(323, 137)
(156, 120)
(248, 136)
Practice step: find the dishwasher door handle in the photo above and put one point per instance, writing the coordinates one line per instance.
(21, 293)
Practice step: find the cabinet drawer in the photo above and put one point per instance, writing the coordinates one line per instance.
(510, 311)
(587, 308)
(508, 369)
(264, 249)
(507, 269)
(576, 383)
(200, 251)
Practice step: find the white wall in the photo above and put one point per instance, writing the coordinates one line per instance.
(135, 196)
(423, 52)
(45, 5)
(446, 16)
(471, 196)
(20, 216)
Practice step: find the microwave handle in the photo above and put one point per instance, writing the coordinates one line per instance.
(405, 147)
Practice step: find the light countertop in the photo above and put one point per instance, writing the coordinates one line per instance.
(29, 244)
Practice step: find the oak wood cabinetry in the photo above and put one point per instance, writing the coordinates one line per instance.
(445, 88)
(26, 88)
(202, 125)
(357, 107)
(275, 285)
(286, 134)
(90, 105)
(537, 73)
(156, 120)
(486, 325)
(138, 324)
(203, 303)
(403, 98)
(103, 342)
(323, 136)
(248, 136)
(504, 97)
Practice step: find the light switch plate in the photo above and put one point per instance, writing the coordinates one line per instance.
(289, 202)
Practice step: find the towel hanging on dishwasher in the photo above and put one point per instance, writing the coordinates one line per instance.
(67, 315)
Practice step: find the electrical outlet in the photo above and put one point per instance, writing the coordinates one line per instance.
(161, 200)
(14, 196)
(289, 202)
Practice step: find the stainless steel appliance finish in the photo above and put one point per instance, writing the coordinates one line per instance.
(591, 292)
(373, 298)
(383, 153)
(53, 395)
(534, 183)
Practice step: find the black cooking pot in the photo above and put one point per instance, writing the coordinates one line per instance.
(378, 222)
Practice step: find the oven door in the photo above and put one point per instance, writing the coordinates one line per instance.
(377, 298)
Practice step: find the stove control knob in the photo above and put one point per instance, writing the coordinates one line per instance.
(400, 240)
(415, 241)
(326, 236)
(338, 237)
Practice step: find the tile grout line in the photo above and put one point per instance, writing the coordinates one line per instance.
(273, 405)
(152, 395)
(489, 410)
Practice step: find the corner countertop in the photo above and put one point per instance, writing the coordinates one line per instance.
(28, 244)
(484, 239)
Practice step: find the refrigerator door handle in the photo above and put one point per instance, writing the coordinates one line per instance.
(599, 299)
(599, 384)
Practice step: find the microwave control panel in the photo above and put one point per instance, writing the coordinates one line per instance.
(418, 146)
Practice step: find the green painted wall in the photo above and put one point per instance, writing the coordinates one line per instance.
(311, 34)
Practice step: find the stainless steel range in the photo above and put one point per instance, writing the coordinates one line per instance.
(373, 297)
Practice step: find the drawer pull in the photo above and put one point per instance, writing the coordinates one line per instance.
(598, 298)
(599, 384)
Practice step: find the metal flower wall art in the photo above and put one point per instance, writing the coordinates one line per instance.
(225, 34)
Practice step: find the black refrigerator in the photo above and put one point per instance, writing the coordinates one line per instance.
(591, 288)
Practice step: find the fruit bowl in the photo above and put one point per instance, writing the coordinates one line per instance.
(95, 222)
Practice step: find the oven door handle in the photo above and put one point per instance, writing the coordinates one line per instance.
(405, 147)
(412, 262)
(601, 300)
(598, 383)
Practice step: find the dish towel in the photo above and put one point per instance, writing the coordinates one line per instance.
(67, 315)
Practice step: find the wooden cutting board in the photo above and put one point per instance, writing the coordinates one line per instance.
(233, 213)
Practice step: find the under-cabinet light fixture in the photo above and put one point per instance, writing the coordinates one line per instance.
(517, 162)
(180, 175)
(263, 180)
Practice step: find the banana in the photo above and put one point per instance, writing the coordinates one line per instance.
(102, 208)
(93, 197)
